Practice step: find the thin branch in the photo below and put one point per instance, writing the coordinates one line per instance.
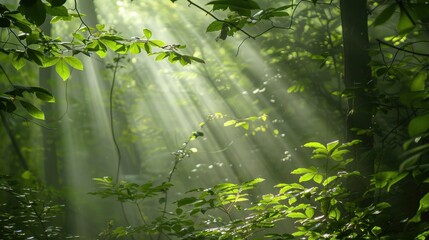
(80, 17)
(220, 20)
(112, 129)
(402, 49)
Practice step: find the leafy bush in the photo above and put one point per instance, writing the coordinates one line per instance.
(321, 205)
(28, 212)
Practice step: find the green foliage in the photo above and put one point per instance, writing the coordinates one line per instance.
(322, 209)
(27, 210)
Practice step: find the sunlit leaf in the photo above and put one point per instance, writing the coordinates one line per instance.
(229, 123)
(134, 48)
(147, 33)
(304, 170)
(214, 26)
(306, 177)
(296, 215)
(32, 110)
(62, 69)
(309, 212)
(244, 125)
(74, 62)
(315, 145)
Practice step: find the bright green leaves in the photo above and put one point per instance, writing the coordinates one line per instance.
(333, 150)
(214, 26)
(62, 66)
(74, 62)
(129, 192)
(308, 174)
(247, 122)
(147, 33)
(62, 69)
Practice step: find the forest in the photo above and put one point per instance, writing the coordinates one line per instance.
(214, 119)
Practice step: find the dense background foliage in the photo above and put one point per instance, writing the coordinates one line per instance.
(324, 100)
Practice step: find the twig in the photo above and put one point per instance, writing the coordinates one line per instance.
(403, 49)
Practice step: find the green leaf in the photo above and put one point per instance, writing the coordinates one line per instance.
(42, 94)
(309, 212)
(385, 15)
(74, 62)
(35, 56)
(161, 56)
(244, 125)
(62, 69)
(423, 207)
(418, 125)
(157, 43)
(318, 178)
(186, 201)
(405, 24)
(50, 61)
(296, 215)
(199, 60)
(57, 11)
(33, 11)
(214, 26)
(304, 170)
(229, 123)
(315, 145)
(18, 61)
(134, 48)
(335, 214)
(147, 33)
(329, 180)
(32, 110)
(306, 177)
(332, 145)
(100, 27)
(419, 82)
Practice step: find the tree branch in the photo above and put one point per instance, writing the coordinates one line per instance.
(402, 49)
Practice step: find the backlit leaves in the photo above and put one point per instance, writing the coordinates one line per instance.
(62, 69)
(32, 110)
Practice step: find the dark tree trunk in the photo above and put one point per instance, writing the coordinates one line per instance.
(357, 79)
(49, 139)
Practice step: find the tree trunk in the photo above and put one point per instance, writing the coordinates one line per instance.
(49, 139)
(357, 79)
